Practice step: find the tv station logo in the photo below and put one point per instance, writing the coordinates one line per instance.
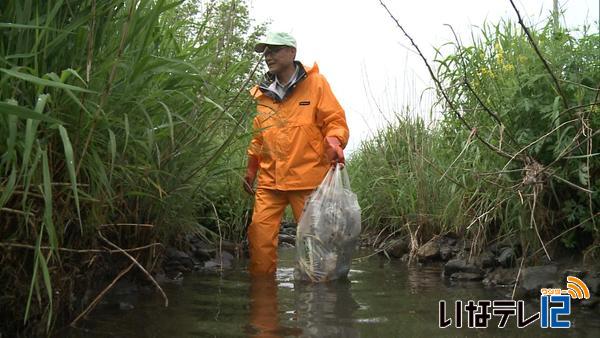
(555, 306)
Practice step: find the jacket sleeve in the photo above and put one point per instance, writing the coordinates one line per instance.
(332, 115)
(256, 143)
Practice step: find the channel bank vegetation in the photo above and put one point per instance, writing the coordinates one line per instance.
(515, 155)
(123, 125)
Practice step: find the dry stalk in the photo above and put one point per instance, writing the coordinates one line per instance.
(141, 225)
(138, 265)
(376, 252)
(376, 240)
(564, 153)
(220, 237)
(414, 242)
(439, 170)
(93, 304)
(391, 234)
(573, 185)
(536, 141)
(519, 272)
(536, 190)
(18, 212)
(83, 251)
(570, 229)
(467, 144)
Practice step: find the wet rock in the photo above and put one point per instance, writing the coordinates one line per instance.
(203, 254)
(446, 252)
(224, 260)
(175, 257)
(460, 265)
(466, 276)
(229, 246)
(398, 248)
(163, 278)
(572, 272)
(288, 231)
(126, 306)
(201, 250)
(173, 267)
(449, 246)
(450, 239)
(507, 257)
(284, 238)
(192, 239)
(537, 277)
(487, 260)
(211, 264)
(501, 277)
(430, 250)
(497, 247)
(288, 225)
(590, 303)
(593, 283)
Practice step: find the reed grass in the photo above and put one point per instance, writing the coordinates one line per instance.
(111, 112)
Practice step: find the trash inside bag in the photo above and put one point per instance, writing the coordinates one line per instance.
(328, 230)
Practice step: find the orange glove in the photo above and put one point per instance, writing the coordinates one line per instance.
(250, 175)
(334, 151)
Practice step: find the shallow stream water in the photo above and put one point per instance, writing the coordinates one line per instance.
(381, 299)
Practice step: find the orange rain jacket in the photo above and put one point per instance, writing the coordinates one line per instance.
(289, 134)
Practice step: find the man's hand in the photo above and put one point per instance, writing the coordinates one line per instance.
(250, 177)
(334, 151)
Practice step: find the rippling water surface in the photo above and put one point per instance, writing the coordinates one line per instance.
(381, 299)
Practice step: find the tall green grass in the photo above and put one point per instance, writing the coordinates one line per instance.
(111, 112)
(528, 168)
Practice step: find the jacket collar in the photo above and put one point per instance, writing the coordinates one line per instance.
(268, 79)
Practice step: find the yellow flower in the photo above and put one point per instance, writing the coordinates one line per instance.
(522, 58)
(486, 71)
(498, 47)
(508, 67)
(500, 58)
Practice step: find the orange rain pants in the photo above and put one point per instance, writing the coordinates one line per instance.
(263, 233)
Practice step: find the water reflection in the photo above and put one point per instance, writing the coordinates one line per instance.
(264, 308)
(326, 309)
(319, 310)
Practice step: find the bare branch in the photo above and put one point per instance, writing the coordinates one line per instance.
(537, 51)
(466, 82)
(441, 88)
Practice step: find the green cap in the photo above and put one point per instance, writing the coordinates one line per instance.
(275, 39)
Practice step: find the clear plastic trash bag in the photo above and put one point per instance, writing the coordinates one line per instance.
(328, 230)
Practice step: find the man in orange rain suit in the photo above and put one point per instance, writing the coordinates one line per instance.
(300, 130)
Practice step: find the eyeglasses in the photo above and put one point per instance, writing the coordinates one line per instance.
(272, 49)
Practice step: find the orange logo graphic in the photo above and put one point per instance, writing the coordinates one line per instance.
(577, 288)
